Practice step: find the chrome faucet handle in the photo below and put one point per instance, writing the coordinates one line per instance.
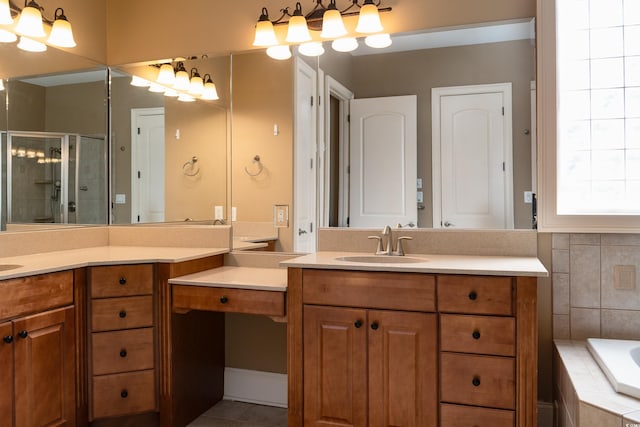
(399, 250)
(379, 247)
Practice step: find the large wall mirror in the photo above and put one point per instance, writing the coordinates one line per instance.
(54, 139)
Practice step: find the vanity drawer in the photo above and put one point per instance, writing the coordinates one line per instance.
(269, 303)
(123, 394)
(121, 313)
(35, 293)
(121, 280)
(478, 380)
(122, 351)
(401, 291)
(475, 295)
(469, 416)
(478, 334)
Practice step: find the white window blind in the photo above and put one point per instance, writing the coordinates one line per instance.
(598, 86)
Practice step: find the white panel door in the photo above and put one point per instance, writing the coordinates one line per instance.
(305, 187)
(147, 178)
(475, 165)
(383, 162)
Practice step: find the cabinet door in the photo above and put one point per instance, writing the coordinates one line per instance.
(335, 367)
(403, 371)
(45, 369)
(6, 375)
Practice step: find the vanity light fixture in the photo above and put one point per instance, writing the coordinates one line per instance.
(196, 84)
(378, 41)
(210, 93)
(182, 81)
(139, 82)
(166, 75)
(327, 19)
(32, 26)
(177, 83)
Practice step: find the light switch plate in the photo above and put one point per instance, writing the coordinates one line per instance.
(528, 196)
(218, 212)
(121, 199)
(420, 196)
(281, 215)
(234, 213)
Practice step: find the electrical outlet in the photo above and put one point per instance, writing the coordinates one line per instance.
(218, 212)
(528, 196)
(121, 199)
(281, 215)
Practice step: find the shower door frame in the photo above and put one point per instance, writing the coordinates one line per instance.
(63, 205)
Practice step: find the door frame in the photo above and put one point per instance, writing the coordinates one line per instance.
(436, 94)
(333, 88)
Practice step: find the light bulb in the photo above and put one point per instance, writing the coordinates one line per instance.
(280, 52)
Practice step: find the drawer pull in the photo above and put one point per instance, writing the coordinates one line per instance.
(123, 353)
(475, 381)
(124, 394)
(23, 334)
(122, 314)
(8, 339)
(375, 326)
(473, 295)
(224, 300)
(122, 281)
(358, 324)
(476, 335)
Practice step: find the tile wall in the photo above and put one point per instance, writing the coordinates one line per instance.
(586, 302)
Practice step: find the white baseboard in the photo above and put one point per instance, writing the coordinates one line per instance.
(263, 388)
(545, 414)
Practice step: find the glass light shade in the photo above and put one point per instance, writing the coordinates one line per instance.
(30, 45)
(369, 20)
(279, 52)
(30, 23)
(139, 82)
(171, 93)
(311, 49)
(166, 75)
(298, 31)
(7, 36)
(61, 34)
(156, 88)
(332, 25)
(210, 92)
(186, 98)
(182, 80)
(345, 44)
(265, 35)
(1, 85)
(196, 87)
(378, 41)
(5, 13)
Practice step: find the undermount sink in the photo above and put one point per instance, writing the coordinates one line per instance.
(381, 259)
(5, 267)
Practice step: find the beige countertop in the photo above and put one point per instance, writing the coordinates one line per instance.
(48, 262)
(262, 279)
(427, 263)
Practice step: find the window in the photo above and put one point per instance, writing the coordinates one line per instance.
(598, 107)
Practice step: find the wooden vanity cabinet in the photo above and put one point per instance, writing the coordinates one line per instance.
(37, 357)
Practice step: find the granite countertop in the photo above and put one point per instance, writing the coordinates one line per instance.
(262, 279)
(426, 263)
(48, 262)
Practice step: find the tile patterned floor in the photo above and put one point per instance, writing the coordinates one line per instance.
(239, 414)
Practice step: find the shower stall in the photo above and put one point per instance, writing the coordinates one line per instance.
(56, 178)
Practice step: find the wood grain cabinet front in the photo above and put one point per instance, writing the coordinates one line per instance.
(122, 337)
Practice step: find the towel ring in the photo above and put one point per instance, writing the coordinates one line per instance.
(189, 169)
(256, 159)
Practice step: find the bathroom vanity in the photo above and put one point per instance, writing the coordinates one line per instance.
(433, 342)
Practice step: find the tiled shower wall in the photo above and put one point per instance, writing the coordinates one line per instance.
(586, 303)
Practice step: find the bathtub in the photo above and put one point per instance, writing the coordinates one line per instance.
(620, 362)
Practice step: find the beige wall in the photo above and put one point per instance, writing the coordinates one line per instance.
(262, 97)
(78, 108)
(27, 111)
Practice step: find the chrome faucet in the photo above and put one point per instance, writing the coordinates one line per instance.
(389, 251)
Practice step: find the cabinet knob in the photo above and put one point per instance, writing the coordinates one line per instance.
(476, 335)
(473, 295)
(123, 353)
(8, 339)
(23, 334)
(375, 326)
(122, 314)
(358, 324)
(124, 394)
(224, 300)
(122, 281)
(475, 381)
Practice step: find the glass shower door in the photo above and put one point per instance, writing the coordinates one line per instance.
(87, 184)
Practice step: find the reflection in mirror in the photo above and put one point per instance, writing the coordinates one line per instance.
(468, 60)
(169, 156)
(55, 166)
